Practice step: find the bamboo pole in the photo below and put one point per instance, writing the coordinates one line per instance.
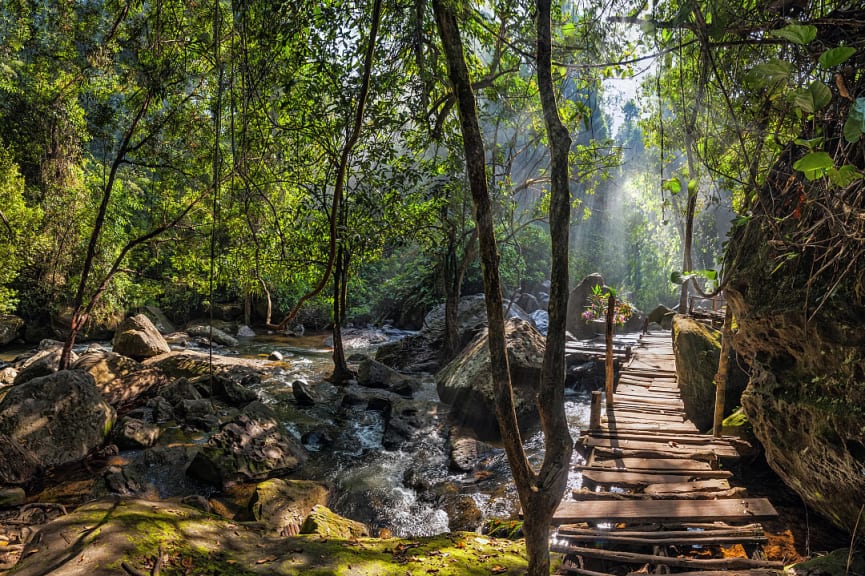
(611, 307)
(721, 376)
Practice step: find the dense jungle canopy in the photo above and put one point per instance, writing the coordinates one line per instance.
(184, 153)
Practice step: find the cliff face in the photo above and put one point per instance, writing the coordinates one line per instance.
(806, 395)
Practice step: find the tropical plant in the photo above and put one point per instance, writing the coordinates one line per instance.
(598, 305)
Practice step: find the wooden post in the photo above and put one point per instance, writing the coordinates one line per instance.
(721, 375)
(611, 308)
(595, 413)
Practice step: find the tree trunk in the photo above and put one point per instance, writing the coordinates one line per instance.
(721, 376)
(341, 373)
(475, 165)
(454, 275)
(540, 493)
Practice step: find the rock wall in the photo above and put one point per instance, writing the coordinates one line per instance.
(806, 395)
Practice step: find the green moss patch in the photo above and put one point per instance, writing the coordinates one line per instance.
(100, 537)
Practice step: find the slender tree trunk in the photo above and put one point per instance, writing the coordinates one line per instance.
(341, 373)
(545, 495)
(721, 376)
(539, 493)
(454, 275)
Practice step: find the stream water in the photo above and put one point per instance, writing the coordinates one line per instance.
(410, 490)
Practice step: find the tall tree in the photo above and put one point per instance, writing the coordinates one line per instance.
(540, 492)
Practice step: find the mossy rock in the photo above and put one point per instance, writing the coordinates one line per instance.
(282, 505)
(836, 563)
(502, 528)
(110, 533)
(322, 521)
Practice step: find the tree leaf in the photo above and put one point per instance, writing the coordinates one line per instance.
(796, 33)
(692, 186)
(844, 176)
(852, 129)
(769, 74)
(836, 56)
(814, 97)
(672, 185)
(814, 165)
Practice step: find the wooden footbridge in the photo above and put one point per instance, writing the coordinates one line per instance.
(656, 493)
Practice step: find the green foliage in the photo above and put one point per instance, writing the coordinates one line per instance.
(18, 225)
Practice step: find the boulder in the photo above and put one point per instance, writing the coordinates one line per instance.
(465, 452)
(46, 361)
(11, 328)
(421, 352)
(252, 446)
(282, 505)
(19, 464)
(108, 370)
(806, 391)
(577, 302)
(698, 349)
(59, 418)
(234, 387)
(662, 316)
(467, 383)
(321, 521)
(373, 374)
(212, 333)
(276, 356)
(540, 320)
(528, 303)
(303, 394)
(189, 364)
(245, 331)
(138, 338)
(159, 319)
(12, 497)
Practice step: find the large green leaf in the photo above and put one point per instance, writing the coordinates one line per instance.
(796, 33)
(814, 165)
(844, 176)
(814, 97)
(854, 126)
(769, 74)
(836, 56)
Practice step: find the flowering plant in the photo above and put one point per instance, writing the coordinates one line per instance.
(597, 308)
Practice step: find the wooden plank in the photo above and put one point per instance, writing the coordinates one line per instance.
(752, 572)
(750, 529)
(732, 510)
(631, 479)
(610, 452)
(732, 563)
(697, 486)
(587, 494)
(691, 539)
(660, 464)
(663, 437)
(691, 474)
(654, 415)
(626, 443)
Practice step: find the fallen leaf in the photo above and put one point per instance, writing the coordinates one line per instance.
(497, 569)
(265, 560)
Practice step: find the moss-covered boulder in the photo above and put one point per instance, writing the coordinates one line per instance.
(11, 328)
(283, 505)
(322, 521)
(806, 396)
(698, 348)
(58, 418)
(101, 537)
(466, 383)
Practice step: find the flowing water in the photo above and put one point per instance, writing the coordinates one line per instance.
(406, 490)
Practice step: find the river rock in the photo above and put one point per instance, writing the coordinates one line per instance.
(212, 333)
(19, 464)
(467, 383)
(276, 356)
(528, 302)
(190, 363)
(46, 361)
(138, 338)
(540, 320)
(698, 349)
(233, 386)
(59, 417)
(283, 505)
(132, 433)
(108, 370)
(11, 328)
(245, 331)
(252, 446)
(303, 394)
(465, 452)
(321, 521)
(180, 390)
(12, 496)
(577, 302)
(373, 374)
(7, 376)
